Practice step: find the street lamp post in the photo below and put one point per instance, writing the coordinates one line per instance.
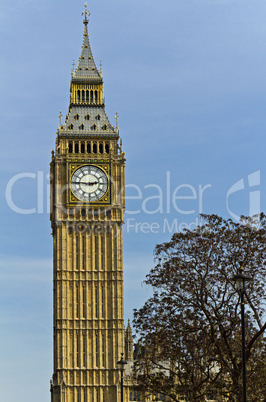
(240, 280)
(122, 363)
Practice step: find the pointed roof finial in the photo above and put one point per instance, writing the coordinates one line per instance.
(86, 14)
(60, 118)
(116, 117)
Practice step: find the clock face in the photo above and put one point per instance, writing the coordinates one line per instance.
(89, 183)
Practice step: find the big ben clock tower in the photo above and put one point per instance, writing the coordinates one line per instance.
(87, 213)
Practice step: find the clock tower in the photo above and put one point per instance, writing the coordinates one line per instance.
(87, 213)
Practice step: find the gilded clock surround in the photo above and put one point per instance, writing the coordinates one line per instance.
(72, 200)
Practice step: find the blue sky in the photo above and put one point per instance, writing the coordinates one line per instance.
(188, 81)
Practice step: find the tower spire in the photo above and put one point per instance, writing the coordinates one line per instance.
(86, 69)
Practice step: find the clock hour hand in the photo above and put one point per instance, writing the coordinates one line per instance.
(91, 184)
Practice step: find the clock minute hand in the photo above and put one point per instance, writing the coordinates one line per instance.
(83, 182)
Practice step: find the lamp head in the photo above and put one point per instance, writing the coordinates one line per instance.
(241, 279)
(122, 362)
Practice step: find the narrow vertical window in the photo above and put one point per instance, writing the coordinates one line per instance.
(84, 351)
(101, 148)
(77, 301)
(83, 252)
(95, 146)
(70, 147)
(82, 144)
(97, 350)
(78, 96)
(102, 301)
(83, 96)
(96, 251)
(76, 148)
(87, 96)
(77, 252)
(91, 100)
(102, 252)
(77, 350)
(96, 96)
(115, 253)
(103, 351)
(96, 302)
(107, 148)
(83, 301)
(89, 148)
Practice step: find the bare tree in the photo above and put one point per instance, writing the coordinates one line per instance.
(189, 331)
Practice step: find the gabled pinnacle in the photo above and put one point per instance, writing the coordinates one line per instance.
(86, 69)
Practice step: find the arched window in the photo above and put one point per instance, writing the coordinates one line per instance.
(83, 96)
(82, 148)
(78, 96)
(98, 117)
(70, 147)
(105, 127)
(71, 127)
(95, 148)
(81, 127)
(87, 117)
(89, 147)
(107, 148)
(76, 117)
(93, 127)
(101, 148)
(76, 148)
(91, 99)
(87, 96)
(96, 96)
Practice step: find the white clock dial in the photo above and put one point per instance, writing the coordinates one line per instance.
(89, 183)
